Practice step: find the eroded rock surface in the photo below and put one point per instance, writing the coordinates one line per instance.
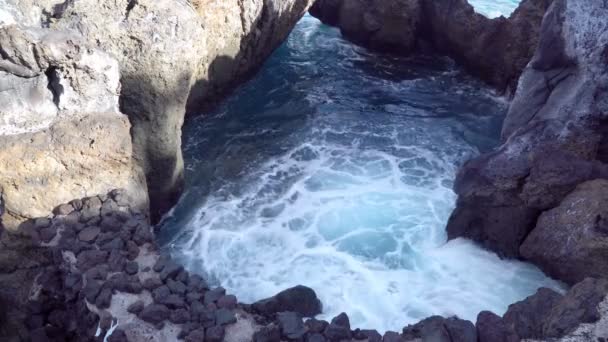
(553, 137)
(496, 50)
(61, 133)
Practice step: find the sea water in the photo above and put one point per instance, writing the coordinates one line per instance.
(333, 168)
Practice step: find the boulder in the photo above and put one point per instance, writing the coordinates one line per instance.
(440, 329)
(496, 50)
(570, 242)
(553, 136)
(300, 299)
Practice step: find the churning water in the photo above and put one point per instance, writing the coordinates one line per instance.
(495, 8)
(333, 168)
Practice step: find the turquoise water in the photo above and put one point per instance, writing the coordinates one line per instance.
(333, 168)
(495, 8)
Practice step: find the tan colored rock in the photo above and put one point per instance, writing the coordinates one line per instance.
(177, 53)
(61, 133)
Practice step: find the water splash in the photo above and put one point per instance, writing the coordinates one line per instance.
(333, 168)
(495, 8)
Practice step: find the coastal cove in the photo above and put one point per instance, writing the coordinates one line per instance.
(304, 170)
(333, 169)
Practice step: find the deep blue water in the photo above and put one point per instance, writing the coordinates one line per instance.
(333, 168)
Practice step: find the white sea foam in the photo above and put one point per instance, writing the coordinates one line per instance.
(495, 8)
(363, 227)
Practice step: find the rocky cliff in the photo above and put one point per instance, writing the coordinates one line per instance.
(496, 50)
(540, 195)
(169, 56)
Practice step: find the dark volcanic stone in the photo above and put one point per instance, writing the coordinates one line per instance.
(47, 234)
(391, 336)
(179, 316)
(143, 234)
(339, 328)
(437, 328)
(91, 207)
(291, 325)
(528, 315)
(160, 293)
(227, 302)
(132, 250)
(196, 335)
(170, 270)
(213, 295)
(196, 283)
(104, 298)
(118, 335)
(173, 301)
(579, 305)
(316, 326)
(187, 328)
(371, 335)
(215, 334)
(111, 224)
(154, 313)
(224, 316)
(92, 289)
(136, 307)
(176, 287)
(152, 283)
(270, 333)
(89, 234)
(39, 335)
(91, 258)
(116, 261)
(116, 244)
(491, 328)
(131, 267)
(300, 299)
(183, 276)
(160, 264)
(125, 283)
(99, 272)
(193, 296)
(316, 337)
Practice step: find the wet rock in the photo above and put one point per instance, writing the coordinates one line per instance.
(136, 307)
(152, 283)
(570, 242)
(197, 283)
(170, 270)
(291, 325)
(438, 328)
(118, 335)
(132, 250)
(179, 316)
(92, 289)
(316, 326)
(47, 234)
(142, 235)
(391, 336)
(125, 283)
(89, 234)
(316, 337)
(99, 272)
(270, 333)
(215, 334)
(371, 335)
(491, 328)
(300, 299)
(176, 287)
(579, 305)
(339, 328)
(39, 335)
(227, 302)
(104, 298)
(173, 301)
(183, 276)
(214, 295)
(224, 316)
(526, 317)
(116, 244)
(187, 328)
(131, 267)
(193, 296)
(90, 259)
(110, 224)
(116, 261)
(154, 313)
(196, 335)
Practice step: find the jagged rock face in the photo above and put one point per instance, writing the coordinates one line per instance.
(171, 54)
(389, 25)
(496, 50)
(570, 242)
(178, 54)
(61, 133)
(553, 134)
